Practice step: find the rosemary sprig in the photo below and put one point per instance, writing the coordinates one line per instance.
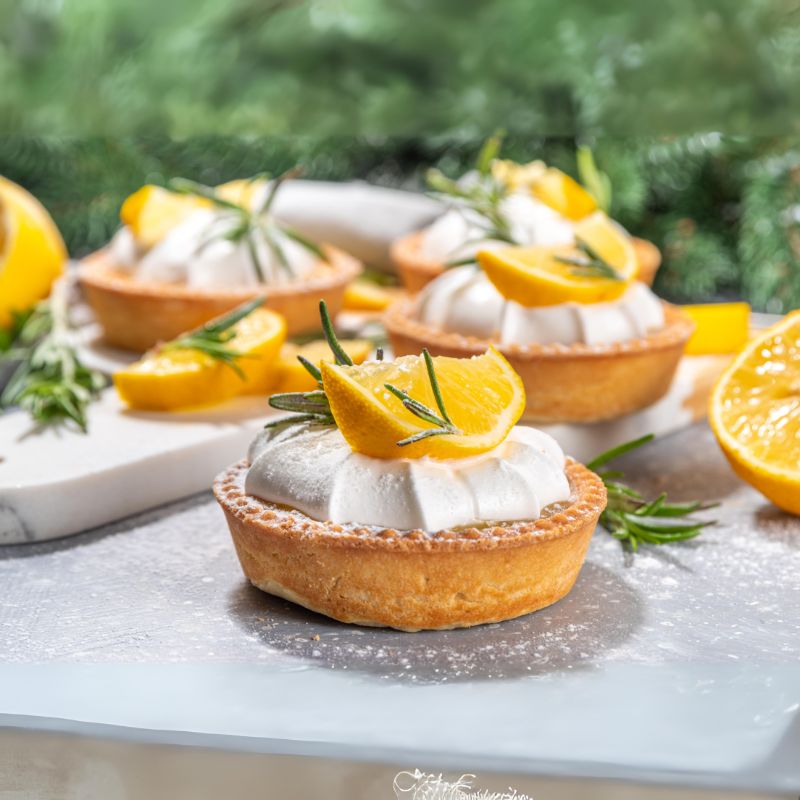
(443, 424)
(50, 382)
(311, 406)
(632, 519)
(591, 264)
(248, 224)
(483, 196)
(214, 337)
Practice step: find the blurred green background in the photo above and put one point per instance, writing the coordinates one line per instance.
(100, 96)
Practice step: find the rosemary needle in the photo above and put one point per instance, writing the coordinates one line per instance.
(214, 337)
(249, 224)
(443, 424)
(632, 519)
(49, 382)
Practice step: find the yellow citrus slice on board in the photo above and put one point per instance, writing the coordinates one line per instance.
(169, 379)
(483, 396)
(364, 295)
(152, 212)
(563, 194)
(289, 375)
(546, 276)
(720, 328)
(32, 252)
(755, 413)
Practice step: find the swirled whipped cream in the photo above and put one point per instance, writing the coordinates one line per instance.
(461, 232)
(312, 469)
(463, 300)
(198, 253)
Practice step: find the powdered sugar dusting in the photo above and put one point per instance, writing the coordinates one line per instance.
(166, 587)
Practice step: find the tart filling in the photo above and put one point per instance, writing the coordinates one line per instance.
(314, 470)
(463, 300)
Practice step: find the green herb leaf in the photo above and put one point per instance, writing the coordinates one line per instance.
(339, 353)
(591, 265)
(213, 338)
(489, 152)
(597, 183)
(634, 520)
(443, 424)
(50, 382)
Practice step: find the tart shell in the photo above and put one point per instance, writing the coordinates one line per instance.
(416, 271)
(137, 315)
(564, 383)
(412, 580)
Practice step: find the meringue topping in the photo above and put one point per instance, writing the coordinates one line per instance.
(313, 469)
(463, 300)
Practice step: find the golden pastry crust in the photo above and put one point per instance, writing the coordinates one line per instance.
(412, 580)
(416, 271)
(564, 383)
(137, 315)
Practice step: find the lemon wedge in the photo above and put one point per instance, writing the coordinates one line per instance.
(483, 396)
(152, 212)
(289, 375)
(243, 191)
(32, 252)
(545, 276)
(720, 328)
(755, 413)
(563, 194)
(167, 379)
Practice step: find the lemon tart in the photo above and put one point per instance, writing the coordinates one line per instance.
(589, 341)
(497, 204)
(403, 494)
(185, 257)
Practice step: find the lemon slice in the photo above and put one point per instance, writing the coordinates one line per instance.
(720, 328)
(364, 295)
(289, 375)
(243, 192)
(152, 212)
(755, 413)
(542, 276)
(170, 379)
(563, 194)
(32, 252)
(483, 396)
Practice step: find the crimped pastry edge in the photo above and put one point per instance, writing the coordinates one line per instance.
(588, 501)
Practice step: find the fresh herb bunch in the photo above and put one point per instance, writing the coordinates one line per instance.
(634, 520)
(248, 224)
(314, 406)
(214, 337)
(590, 264)
(50, 382)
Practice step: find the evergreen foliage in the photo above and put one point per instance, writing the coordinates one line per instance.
(100, 97)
